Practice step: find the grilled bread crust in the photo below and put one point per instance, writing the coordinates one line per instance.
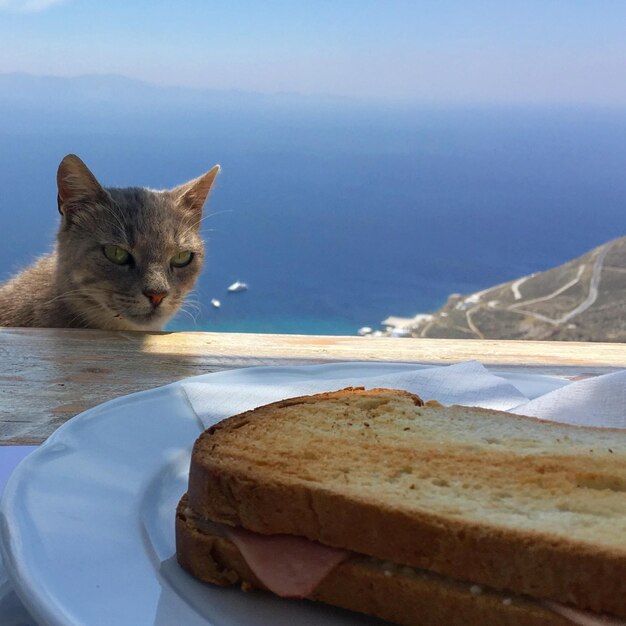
(505, 501)
(397, 594)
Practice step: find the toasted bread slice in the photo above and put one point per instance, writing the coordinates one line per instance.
(399, 594)
(505, 501)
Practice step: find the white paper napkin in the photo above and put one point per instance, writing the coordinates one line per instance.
(464, 383)
(599, 401)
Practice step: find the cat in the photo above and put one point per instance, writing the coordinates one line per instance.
(124, 259)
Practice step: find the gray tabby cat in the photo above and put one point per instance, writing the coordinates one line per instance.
(124, 258)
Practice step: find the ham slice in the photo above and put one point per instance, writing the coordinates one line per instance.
(289, 566)
(583, 618)
(292, 567)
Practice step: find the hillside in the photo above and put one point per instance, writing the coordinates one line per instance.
(581, 300)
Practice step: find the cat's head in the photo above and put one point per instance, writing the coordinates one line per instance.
(127, 257)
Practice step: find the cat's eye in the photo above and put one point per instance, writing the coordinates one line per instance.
(117, 255)
(182, 259)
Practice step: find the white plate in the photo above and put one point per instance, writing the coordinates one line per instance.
(86, 520)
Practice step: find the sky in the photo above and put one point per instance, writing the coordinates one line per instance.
(452, 52)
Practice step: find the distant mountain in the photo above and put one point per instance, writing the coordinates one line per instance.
(102, 87)
(39, 105)
(582, 300)
(20, 87)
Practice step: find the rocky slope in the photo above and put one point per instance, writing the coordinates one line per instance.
(582, 300)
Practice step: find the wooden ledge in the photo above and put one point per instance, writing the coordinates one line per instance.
(50, 375)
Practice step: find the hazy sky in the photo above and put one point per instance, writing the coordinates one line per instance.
(549, 51)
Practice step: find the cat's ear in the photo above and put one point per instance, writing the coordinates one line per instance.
(192, 195)
(75, 183)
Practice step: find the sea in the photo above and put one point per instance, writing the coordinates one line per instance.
(336, 213)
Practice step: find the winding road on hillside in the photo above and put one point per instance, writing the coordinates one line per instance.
(584, 305)
(518, 307)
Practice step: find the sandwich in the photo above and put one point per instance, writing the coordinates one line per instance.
(417, 513)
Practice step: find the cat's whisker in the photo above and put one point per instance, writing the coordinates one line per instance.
(192, 311)
(193, 303)
(191, 294)
(187, 231)
(214, 213)
(184, 310)
(192, 225)
(189, 300)
(119, 222)
(79, 293)
(116, 225)
(84, 315)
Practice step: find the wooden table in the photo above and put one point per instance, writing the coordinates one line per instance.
(50, 375)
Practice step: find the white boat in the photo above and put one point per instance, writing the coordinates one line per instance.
(216, 303)
(237, 286)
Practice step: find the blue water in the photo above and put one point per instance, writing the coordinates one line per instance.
(336, 214)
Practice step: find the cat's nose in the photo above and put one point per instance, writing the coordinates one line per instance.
(155, 297)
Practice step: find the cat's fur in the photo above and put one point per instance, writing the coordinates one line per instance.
(78, 286)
